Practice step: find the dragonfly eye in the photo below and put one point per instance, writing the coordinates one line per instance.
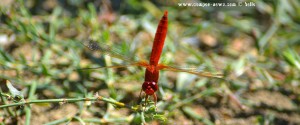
(149, 87)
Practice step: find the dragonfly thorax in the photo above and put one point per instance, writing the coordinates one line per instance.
(150, 87)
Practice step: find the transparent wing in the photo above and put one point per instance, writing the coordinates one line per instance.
(103, 49)
(196, 71)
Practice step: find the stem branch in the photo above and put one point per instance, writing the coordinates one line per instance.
(98, 98)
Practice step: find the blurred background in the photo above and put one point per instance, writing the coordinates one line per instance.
(256, 47)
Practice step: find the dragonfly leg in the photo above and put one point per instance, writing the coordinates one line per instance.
(140, 96)
(146, 99)
(155, 99)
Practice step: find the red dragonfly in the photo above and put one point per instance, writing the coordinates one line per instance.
(150, 85)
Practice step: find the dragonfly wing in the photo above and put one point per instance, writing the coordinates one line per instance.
(104, 49)
(115, 66)
(194, 71)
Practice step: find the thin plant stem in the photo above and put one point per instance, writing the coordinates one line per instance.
(70, 100)
(5, 102)
(143, 118)
(28, 108)
(60, 121)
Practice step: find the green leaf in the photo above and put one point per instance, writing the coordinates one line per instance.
(14, 92)
(292, 58)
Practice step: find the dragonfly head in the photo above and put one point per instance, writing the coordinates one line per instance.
(150, 87)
